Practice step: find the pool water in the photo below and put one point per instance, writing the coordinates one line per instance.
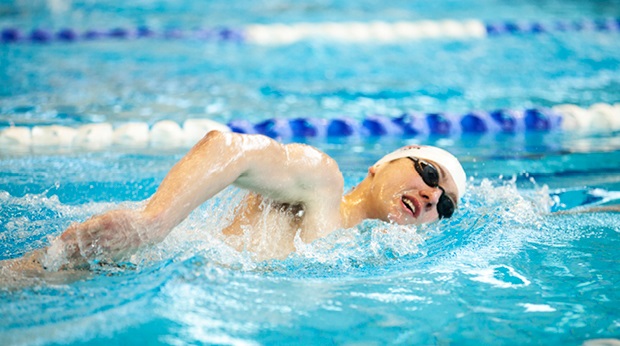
(503, 270)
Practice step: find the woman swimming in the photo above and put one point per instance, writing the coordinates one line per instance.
(413, 185)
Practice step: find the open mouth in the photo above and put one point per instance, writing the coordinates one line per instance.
(410, 204)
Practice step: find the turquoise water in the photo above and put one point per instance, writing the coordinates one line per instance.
(502, 271)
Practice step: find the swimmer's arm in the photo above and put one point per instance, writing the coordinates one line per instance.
(292, 173)
(300, 174)
(285, 173)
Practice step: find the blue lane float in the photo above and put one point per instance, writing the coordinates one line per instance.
(563, 117)
(281, 34)
(67, 35)
(599, 117)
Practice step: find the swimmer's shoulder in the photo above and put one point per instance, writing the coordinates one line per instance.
(321, 165)
(310, 153)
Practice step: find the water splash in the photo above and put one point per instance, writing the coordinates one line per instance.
(493, 220)
(194, 273)
(496, 220)
(30, 221)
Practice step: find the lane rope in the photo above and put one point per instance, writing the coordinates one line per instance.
(282, 34)
(599, 117)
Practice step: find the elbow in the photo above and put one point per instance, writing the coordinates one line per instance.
(224, 142)
(212, 137)
(216, 144)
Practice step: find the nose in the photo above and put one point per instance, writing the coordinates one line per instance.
(430, 196)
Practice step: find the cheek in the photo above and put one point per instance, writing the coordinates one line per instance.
(385, 195)
(396, 215)
(381, 204)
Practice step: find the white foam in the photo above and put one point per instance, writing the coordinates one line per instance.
(389, 297)
(55, 256)
(537, 307)
(488, 276)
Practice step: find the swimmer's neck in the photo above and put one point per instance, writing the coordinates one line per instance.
(355, 205)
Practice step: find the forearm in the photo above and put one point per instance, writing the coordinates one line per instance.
(285, 173)
(211, 165)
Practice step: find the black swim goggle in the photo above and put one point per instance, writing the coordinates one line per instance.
(430, 176)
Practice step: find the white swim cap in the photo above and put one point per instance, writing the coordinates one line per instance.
(438, 155)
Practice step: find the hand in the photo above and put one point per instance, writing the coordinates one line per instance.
(108, 237)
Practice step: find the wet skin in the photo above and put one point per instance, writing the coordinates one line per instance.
(303, 186)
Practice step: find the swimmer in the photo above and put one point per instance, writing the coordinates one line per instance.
(410, 186)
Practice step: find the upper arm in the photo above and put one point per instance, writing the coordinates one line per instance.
(299, 174)
(291, 173)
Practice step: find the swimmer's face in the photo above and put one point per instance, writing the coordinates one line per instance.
(406, 194)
